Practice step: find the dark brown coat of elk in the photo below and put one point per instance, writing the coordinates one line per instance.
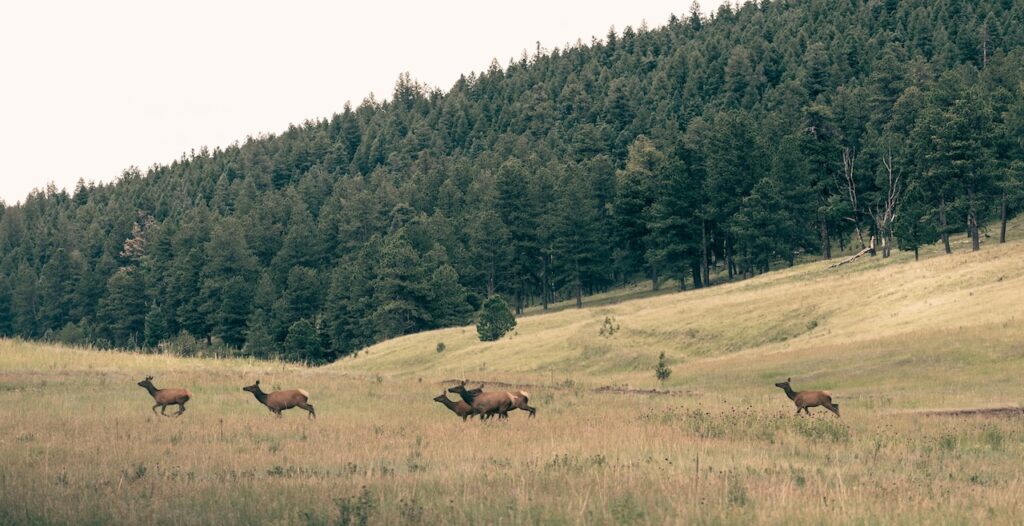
(166, 397)
(806, 399)
(459, 407)
(497, 402)
(281, 400)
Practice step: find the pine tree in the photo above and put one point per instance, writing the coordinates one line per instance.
(448, 305)
(662, 371)
(518, 211)
(350, 302)
(495, 319)
(155, 329)
(123, 309)
(24, 303)
(259, 341)
(580, 256)
(303, 342)
(636, 187)
(56, 287)
(6, 317)
(915, 225)
(300, 299)
(228, 282)
(400, 290)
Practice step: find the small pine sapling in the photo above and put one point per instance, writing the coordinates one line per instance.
(662, 371)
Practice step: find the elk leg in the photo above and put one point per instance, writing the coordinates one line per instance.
(832, 408)
(309, 407)
(798, 409)
(181, 409)
(162, 409)
(154, 408)
(532, 410)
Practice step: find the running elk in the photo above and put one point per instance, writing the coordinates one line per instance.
(166, 397)
(806, 399)
(280, 400)
(497, 402)
(459, 407)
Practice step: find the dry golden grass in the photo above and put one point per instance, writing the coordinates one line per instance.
(79, 445)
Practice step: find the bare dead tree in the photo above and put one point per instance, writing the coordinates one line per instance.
(849, 161)
(884, 210)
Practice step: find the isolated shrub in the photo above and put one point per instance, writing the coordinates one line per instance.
(71, 334)
(356, 510)
(441, 347)
(609, 327)
(496, 319)
(184, 344)
(662, 371)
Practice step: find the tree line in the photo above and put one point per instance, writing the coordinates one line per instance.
(707, 149)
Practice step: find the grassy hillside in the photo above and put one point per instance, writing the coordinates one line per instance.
(80, 445)
(913, 334)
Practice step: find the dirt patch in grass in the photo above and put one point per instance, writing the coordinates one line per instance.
(1009, 411)
(613, 389)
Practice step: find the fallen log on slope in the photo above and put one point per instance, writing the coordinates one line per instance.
(869, 248)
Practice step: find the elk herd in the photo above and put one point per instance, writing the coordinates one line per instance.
(471, 402)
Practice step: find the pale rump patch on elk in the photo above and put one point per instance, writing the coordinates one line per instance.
(166, 397)
(497, 402)
(806, 399)
(281, 400)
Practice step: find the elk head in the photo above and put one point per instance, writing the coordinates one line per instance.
(147, 383)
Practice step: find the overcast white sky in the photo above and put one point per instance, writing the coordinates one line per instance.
(90, 88)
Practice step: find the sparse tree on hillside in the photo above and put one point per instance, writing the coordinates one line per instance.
(496, 319)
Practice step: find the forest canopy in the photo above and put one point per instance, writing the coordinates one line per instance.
(710, 148)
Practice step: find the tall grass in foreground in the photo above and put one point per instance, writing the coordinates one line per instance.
(79, 445)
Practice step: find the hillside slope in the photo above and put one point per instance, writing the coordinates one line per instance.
(866, 327)
(728, 142)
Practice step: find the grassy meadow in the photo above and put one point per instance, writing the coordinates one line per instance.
(899, 343)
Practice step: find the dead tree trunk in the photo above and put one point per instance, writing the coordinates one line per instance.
(826, 243)
(884, 212)
(1002, 220)
(849, 160)
(972, 222)
(579, 287)
(943, 225)
(704, 262)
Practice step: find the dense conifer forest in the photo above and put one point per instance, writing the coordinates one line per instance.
(707, 149)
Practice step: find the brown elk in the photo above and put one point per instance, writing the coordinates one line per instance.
(166, 397)
(806, 399)
(281, 400)
(459, 407)
(497, 402)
